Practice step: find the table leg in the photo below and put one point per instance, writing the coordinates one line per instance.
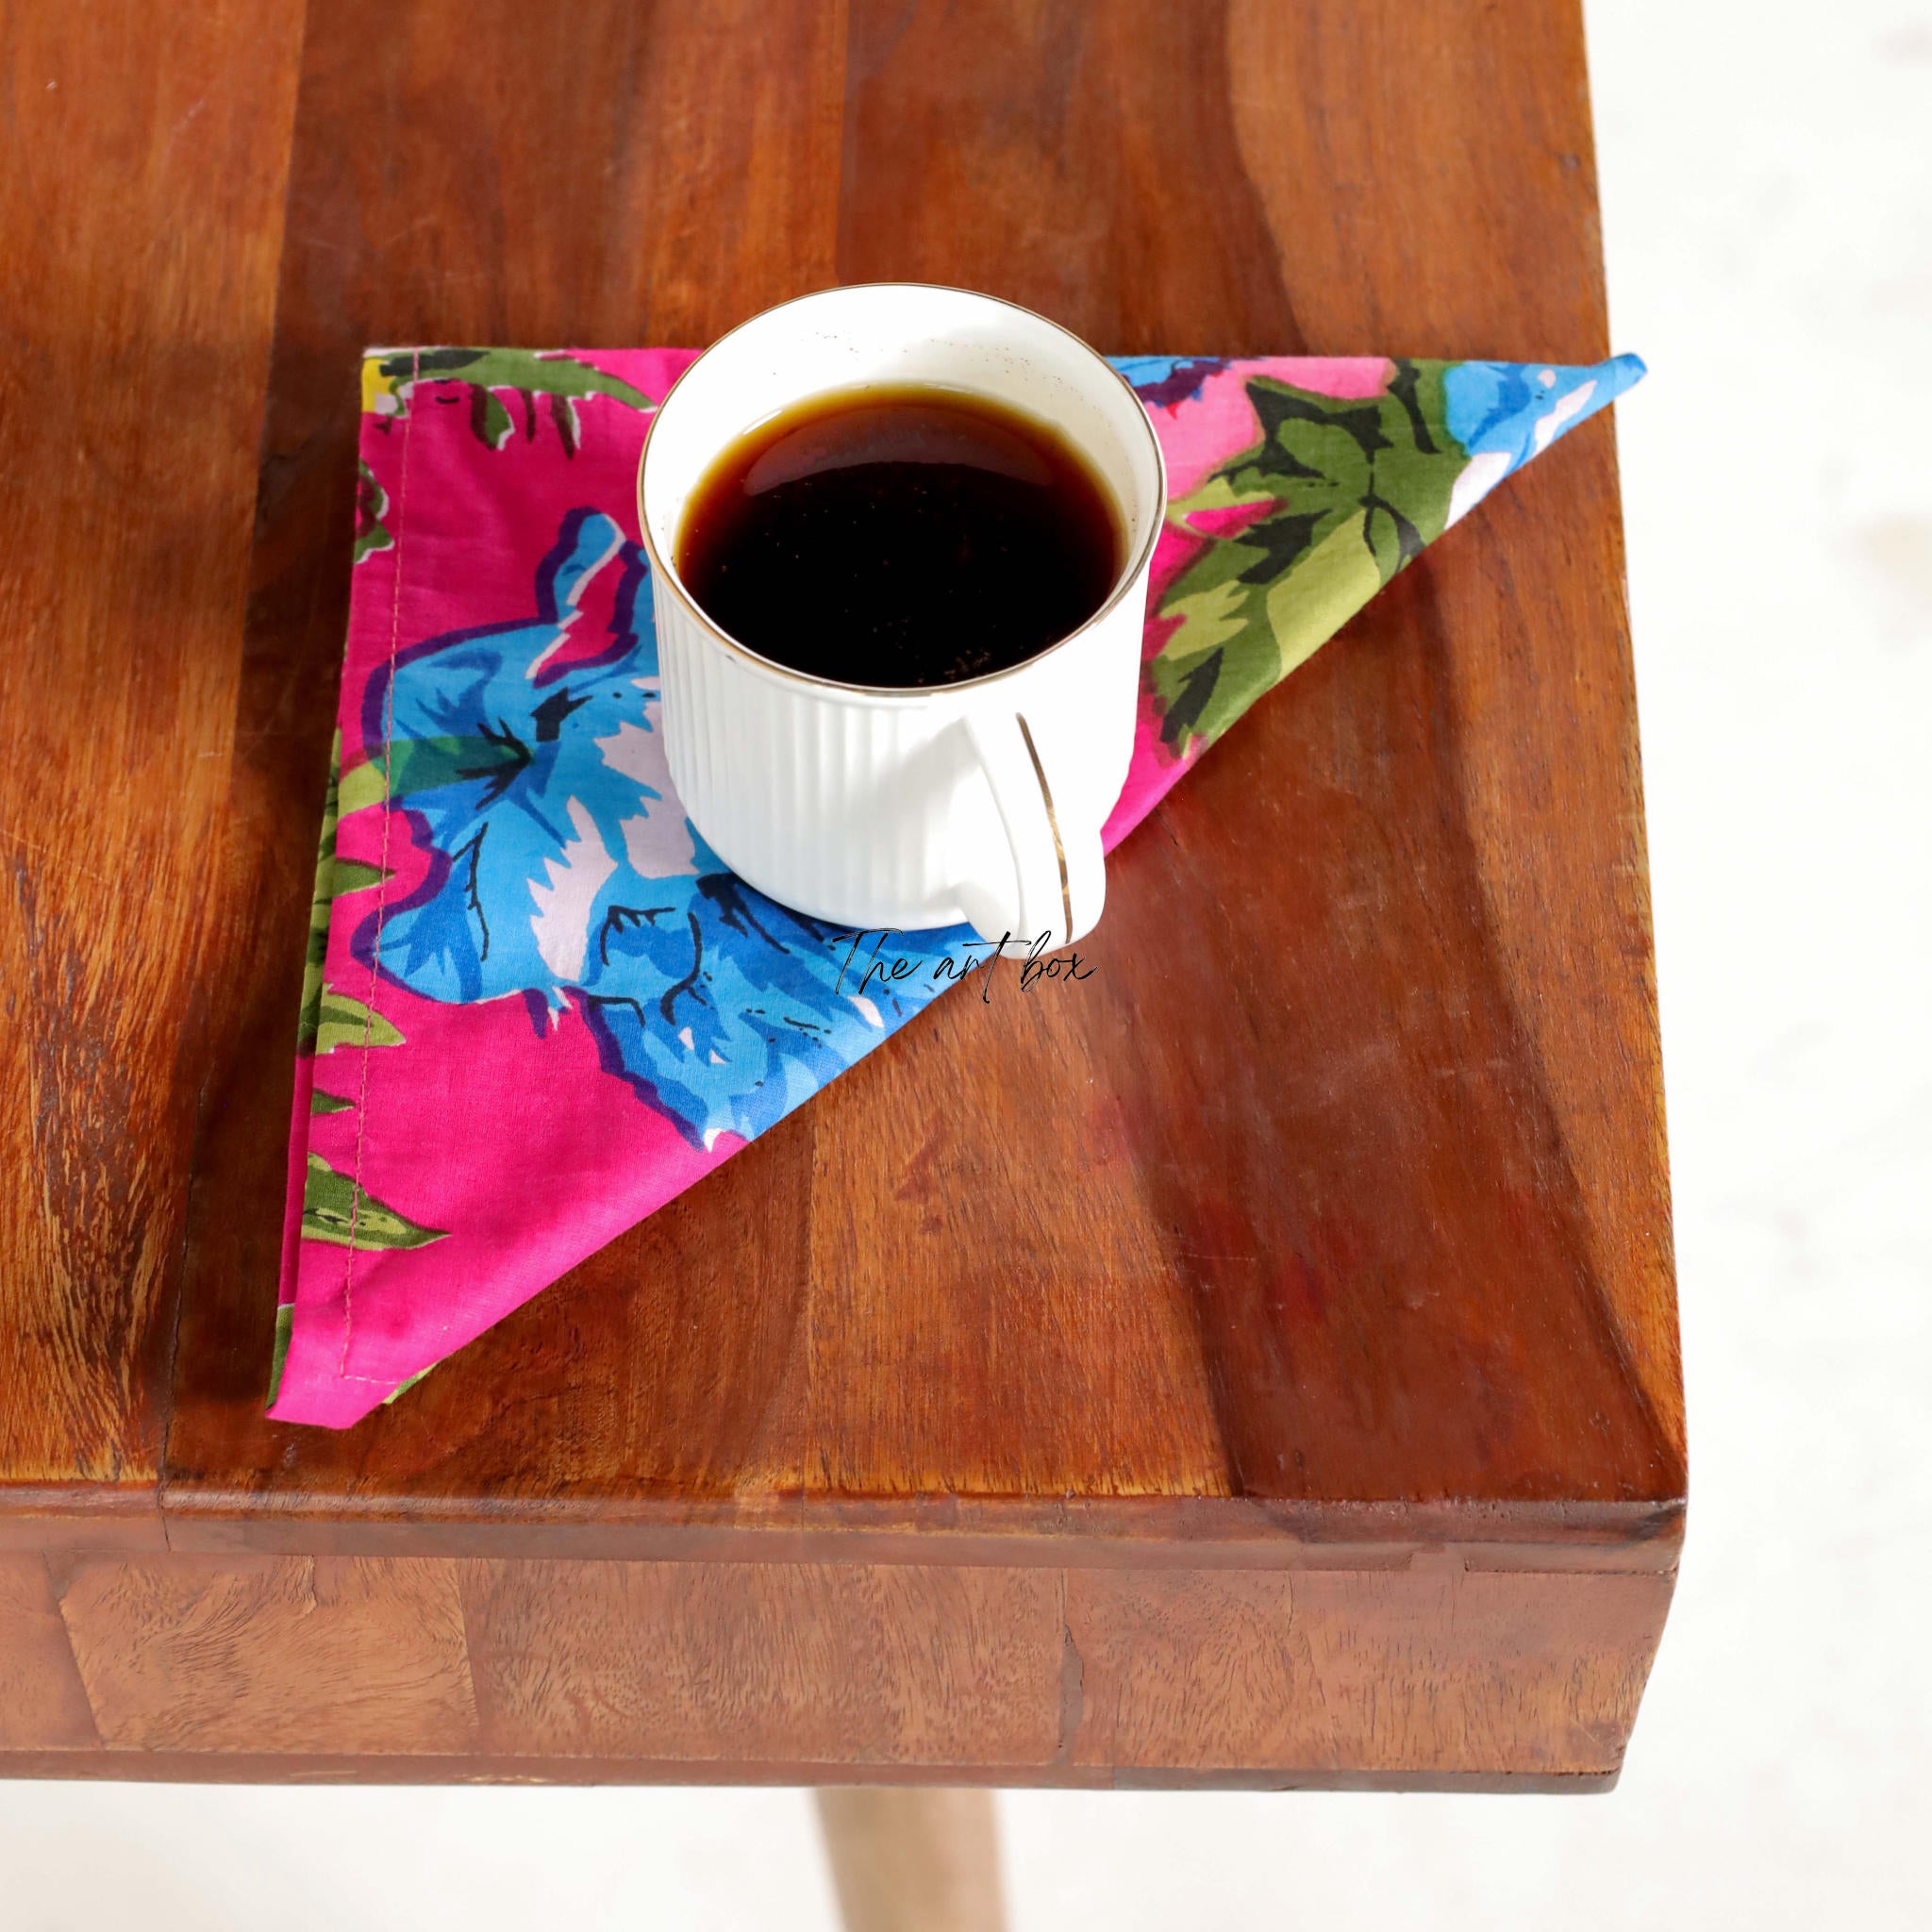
(913, 1859)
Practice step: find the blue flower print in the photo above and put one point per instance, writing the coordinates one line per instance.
(527, 759)
(1503, 414)
(1164, 381)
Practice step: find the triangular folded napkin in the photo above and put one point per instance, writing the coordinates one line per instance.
(523, 957)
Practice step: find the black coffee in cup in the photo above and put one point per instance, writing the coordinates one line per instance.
(900, 537)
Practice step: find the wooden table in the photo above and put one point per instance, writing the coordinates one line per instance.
(1258, 1367)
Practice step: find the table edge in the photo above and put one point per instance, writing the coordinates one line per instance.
(133, 1765)
(1112, 1533)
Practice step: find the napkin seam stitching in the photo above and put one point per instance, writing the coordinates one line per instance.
(395, 620)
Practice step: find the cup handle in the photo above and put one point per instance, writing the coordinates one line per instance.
(1060, 871)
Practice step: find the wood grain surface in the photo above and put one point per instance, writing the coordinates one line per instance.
(380, 1667)
(1323, 1232)
(139, 227)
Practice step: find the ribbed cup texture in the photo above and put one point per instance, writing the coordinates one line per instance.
(834, 805)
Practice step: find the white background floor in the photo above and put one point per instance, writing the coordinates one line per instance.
(1767, 174)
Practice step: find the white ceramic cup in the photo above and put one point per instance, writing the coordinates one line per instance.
(905, 809)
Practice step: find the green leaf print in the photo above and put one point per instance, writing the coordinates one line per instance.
(343, 1022)
(423, 764)
(334, 1210)
(332, 876)
(404, 1388)
(1349, 489)
(372, 505)
(285, 1327)
(490, 420)
(352, 875)
(361, 787)
(321, 899)
(563, 381)
(319, 1101)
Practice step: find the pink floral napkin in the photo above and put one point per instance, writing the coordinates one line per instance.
(537, 1005)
